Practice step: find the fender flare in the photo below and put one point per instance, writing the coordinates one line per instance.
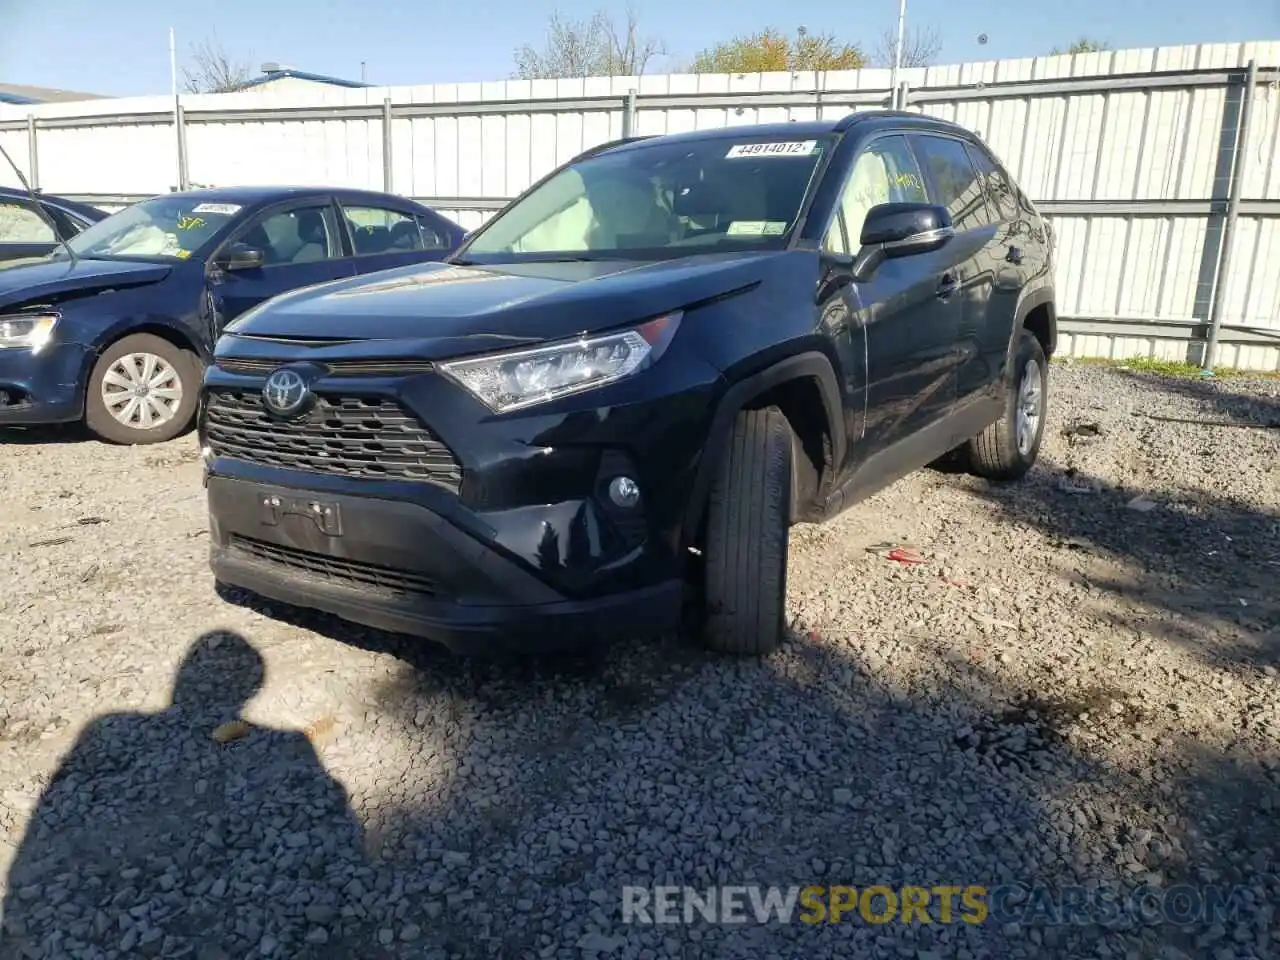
(1041, 296)
(811, 365)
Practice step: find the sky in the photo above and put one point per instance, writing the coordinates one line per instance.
(121, 48)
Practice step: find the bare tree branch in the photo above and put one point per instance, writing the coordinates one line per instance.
(595, 47)
(919, 47)
(213, 70)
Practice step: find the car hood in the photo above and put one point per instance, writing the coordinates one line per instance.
(507, 304)
(34, 281)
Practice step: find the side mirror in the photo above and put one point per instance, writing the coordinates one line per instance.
(241, 256)
(893, 230)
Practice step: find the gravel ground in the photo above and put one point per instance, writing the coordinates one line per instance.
(1071, 691)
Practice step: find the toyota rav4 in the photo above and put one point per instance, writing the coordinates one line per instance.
(609, 405)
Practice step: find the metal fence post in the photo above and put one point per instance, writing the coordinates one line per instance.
(33, 154)
(902, 93)
(1223, 267)
(386, 144)
(629, 114)
(180, 121)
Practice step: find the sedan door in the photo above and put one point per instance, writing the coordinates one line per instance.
(385, 235)
(301, 245)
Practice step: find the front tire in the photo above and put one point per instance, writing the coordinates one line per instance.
(142, 390)
(1008, 448)
(748, 521)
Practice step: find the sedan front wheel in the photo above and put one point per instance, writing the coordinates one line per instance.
(143, 389)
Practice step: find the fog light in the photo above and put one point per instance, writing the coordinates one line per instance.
(624, 491)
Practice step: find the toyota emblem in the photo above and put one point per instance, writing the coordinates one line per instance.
(285, 392)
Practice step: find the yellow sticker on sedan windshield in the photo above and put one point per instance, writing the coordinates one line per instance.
(795, 148)
(190, 223)
(182, 254)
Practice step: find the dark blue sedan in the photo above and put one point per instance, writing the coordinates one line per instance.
(117, 332)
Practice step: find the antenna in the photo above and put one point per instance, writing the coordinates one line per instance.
(44, 214)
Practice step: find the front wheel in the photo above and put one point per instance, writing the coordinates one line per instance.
(748, 521)
(1008, 448)
(143, 389)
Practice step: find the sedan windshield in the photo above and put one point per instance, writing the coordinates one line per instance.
(659, 199)
(162, 228)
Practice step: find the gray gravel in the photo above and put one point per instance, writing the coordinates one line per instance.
(1072, 690)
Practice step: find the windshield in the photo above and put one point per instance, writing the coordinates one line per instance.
(163, 228)
(701, 196)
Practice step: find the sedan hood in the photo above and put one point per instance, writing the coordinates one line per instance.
(35, 281)
(508, 304)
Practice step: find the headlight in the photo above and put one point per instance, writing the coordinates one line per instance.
(521, 378)
(31, 331)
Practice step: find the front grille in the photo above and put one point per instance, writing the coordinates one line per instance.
(335, 570)
(348, 436)
(337, 368)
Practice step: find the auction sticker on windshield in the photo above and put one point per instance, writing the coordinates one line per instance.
(756, 228)
(222, 209)
(793, 148)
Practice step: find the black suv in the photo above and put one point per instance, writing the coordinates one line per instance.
(622, 390)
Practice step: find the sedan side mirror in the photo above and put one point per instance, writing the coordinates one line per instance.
(893, 230)
(241, 256)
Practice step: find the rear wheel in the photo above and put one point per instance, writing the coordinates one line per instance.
(143, 389)
(748, 520)
(1008, 448)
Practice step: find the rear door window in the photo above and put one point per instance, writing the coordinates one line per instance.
(954, 182)
(434, 235)
(383, 230)
(999, 191)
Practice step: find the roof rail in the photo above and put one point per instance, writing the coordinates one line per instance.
(601, 147)
(845, 122)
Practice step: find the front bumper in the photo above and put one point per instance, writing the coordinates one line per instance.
(44, 387)
(475, 530)
(396, 565)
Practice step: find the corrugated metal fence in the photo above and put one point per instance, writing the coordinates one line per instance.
(1158, 167)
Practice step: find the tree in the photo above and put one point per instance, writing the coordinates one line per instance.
(771, 51)
(1082, 45)
(594, 47)
(213, 70)
(919, 47)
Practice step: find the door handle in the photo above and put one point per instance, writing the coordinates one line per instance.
(947, 286)
(1015, 255)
